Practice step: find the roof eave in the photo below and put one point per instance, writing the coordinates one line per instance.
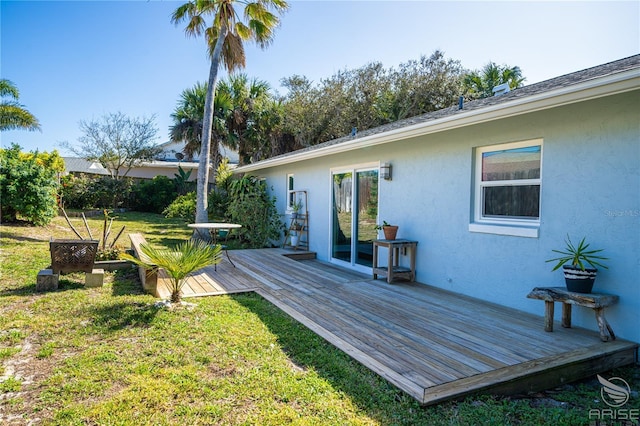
(590, 89)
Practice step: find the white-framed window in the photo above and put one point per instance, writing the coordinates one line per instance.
(291, 196)
(507, 184)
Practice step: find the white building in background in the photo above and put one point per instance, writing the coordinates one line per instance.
(166, 164)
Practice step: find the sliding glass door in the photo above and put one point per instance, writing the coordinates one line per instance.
(355, 211)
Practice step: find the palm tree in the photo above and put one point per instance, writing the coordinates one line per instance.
(225, 39)
(186, 258)
(187, 119)
(249, 99)
(481, 84)
(13, 115)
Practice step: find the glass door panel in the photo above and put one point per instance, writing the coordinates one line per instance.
(355, 211)
(366, 215)
(342, 212)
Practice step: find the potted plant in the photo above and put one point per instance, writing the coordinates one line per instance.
(295, 208)
(295, 237)
(390, 231)
(577, 277)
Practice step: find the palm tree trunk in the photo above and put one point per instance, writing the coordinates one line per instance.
(176, 291)
(205, 148)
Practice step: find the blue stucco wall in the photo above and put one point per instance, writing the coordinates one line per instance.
(590, 187)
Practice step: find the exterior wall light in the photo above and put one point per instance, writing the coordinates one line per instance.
(385, 171)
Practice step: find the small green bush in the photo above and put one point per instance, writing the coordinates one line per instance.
(251, 206)
(153, 195)
(183, 207)
(219, 200)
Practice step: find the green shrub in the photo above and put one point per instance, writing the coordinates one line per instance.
(28, 187)
(183, 207)
(153, 195)
(251, 206)
(75, 192)
(218, 204)
(110, 193)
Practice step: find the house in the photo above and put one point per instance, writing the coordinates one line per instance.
(147, 170)
(488, 188)
(165, 164)
(174, 150)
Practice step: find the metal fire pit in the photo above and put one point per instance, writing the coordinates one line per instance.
(72, 255)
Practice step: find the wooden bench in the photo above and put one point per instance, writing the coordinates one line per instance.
(148, 277)
(595, 301)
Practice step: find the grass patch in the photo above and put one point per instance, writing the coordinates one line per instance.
(108, 356)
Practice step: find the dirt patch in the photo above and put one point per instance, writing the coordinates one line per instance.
(20, 407)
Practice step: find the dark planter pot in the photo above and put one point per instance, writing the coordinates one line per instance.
(579, 281)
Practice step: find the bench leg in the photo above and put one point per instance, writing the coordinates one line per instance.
(606, 332)
(566, 315)
(548, 316)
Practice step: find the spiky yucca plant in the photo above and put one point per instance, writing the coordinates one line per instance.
(578, 256)
(179, 262)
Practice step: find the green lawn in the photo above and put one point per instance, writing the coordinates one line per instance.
(107, 356)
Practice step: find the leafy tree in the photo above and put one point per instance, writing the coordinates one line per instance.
(367, 97)
(28, 188)
(480, 84)
(118, 142)
(251, 206)
(225, 37)
(425, 85)
(180, 262)
(13, 115)
(267, 134)
(300, 112)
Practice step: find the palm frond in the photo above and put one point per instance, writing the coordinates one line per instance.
(179, 262)
(15, 116)
(8, 88)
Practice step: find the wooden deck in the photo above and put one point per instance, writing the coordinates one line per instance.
(433, 344)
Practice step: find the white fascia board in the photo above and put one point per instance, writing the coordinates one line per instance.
(169, 165)
(591, 89)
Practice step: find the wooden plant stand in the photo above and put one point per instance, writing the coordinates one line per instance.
(393, 269)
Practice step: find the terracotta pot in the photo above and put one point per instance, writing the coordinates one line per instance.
(390, 232)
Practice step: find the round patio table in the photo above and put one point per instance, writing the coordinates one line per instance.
(214, 229)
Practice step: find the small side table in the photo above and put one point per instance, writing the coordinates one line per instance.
(393, 270)
(596, 301)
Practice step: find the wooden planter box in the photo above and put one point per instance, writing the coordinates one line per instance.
(72, 255)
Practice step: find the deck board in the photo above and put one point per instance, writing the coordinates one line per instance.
(431, 343)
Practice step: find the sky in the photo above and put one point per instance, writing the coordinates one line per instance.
(80, 60)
